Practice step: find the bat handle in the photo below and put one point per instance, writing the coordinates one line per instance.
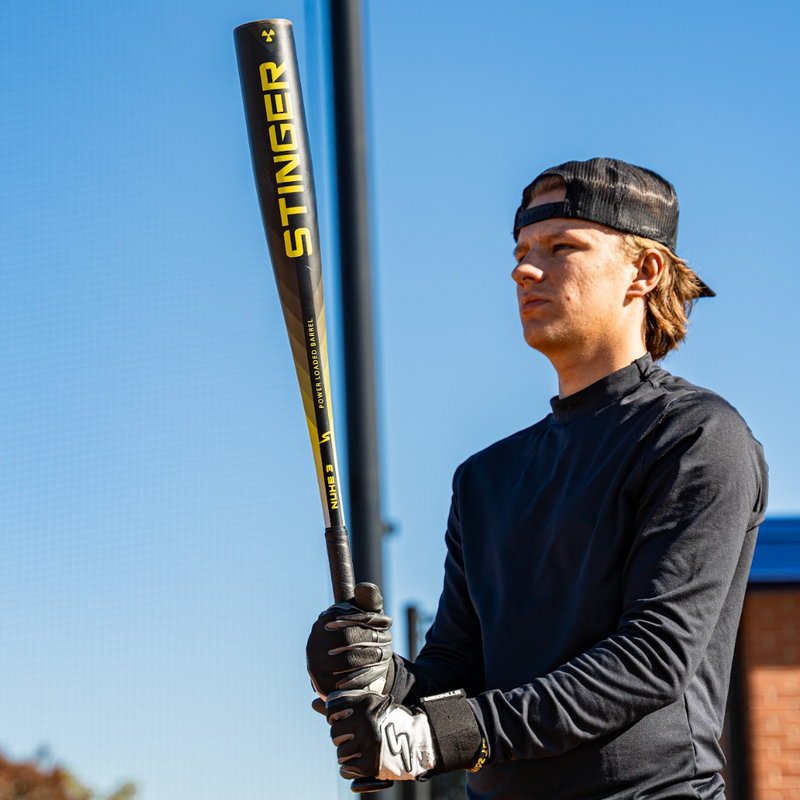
(341, 563)
(344, 586)
(362, 785)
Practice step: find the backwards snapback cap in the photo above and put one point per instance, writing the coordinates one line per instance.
(612, 193)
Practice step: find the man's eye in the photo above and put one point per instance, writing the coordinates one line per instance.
(559, 246)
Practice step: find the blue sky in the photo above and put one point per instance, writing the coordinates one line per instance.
(161, 530)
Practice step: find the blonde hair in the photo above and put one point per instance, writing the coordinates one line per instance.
(540, 186)
(668, 305)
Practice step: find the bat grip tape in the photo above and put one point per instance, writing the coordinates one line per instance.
(341, 563)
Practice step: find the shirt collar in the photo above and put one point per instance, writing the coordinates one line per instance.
(604, 391)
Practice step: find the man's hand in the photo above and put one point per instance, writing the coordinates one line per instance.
(350, 646)
(374, 737)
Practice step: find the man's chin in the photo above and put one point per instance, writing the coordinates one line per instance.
(538, 339)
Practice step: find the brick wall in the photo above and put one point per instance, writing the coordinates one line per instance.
(771, 665)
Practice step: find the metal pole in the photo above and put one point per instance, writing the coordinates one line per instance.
(365, 524)
(736, 727)
(412, 623)
(411, 790)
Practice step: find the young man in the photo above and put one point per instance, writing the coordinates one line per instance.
(597, 561)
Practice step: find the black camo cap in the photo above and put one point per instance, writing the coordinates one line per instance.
(612, 193)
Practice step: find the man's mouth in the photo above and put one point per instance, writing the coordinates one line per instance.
(530, 303)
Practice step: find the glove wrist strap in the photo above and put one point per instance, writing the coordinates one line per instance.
(458, 737)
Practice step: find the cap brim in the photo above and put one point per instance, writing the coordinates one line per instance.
(706, 291)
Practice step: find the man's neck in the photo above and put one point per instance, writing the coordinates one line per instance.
(582, 370)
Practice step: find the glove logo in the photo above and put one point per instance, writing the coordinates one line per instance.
(399, 745)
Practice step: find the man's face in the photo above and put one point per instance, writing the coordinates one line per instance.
(572, 278)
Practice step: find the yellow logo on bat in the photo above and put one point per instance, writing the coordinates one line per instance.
(326, 437)
(285, 145)
(268, 34)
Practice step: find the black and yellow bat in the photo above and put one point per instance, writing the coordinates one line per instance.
(276, 127)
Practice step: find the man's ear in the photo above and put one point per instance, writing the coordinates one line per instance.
(649, 270)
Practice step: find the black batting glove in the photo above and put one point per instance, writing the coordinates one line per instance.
(350, 646)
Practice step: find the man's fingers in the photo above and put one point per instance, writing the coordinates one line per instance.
(349, 772)
(368, 596)
(360, 657)
(337, 715)
(362, 679)
(336, 619)
(356, 635)
(365, 648)
(346, 748)
(318, 704)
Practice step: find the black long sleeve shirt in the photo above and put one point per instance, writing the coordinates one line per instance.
(595, 574)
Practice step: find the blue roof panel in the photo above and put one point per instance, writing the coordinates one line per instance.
(777, 556)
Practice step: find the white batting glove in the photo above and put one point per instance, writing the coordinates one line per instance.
(375, 737)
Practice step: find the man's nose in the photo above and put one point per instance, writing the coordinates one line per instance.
(526, 271)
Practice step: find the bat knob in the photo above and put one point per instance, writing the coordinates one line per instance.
(363, 785)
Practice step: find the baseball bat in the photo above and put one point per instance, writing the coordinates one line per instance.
(276, 128)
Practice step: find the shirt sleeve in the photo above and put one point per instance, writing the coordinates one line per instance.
(701, 495)
(452, 657)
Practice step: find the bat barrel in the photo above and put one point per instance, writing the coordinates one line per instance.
(276, 127)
